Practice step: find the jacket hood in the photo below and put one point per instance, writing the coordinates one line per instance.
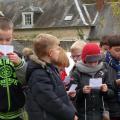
(35, 59)
(33, 64)
(89, 70)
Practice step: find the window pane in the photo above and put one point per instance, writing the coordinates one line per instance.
(28, 19)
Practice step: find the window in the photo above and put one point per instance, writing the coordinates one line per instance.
(27, 19)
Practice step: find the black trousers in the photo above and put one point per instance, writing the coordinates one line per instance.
(18, 118)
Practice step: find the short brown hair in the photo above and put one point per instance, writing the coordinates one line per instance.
(114, 40)
(104, 41)
(42, 43)
(5, 23)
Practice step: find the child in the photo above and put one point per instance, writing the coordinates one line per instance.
(63, 62)
(46, 98)
(76, 50)
(113, 60)
(89, 99)
(12, 70)
(27, 52)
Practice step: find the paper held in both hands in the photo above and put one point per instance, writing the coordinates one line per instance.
(5, 49)
(95, 83)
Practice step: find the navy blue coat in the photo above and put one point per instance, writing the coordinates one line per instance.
(46, 96)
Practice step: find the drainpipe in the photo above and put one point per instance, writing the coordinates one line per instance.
(100, 5)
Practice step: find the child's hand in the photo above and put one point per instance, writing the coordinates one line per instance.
(86, 89)
(118, 82)
(75, 118)
(14, 58)
(71, 94)
(104, 88)
(1, 54)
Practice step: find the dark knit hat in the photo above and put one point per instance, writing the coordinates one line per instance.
(91, 53)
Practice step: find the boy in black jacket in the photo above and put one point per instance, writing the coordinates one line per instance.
(46, 97)
(112, 58)
(12, 69)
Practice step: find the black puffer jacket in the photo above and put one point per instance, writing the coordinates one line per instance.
(91, 104)
(46, 96)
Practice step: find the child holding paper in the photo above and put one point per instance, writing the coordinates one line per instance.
(12, 74)
(113, 60)
(91, 77)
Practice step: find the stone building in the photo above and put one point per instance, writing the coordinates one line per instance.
(69, 20)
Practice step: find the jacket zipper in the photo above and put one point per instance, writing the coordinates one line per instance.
(7, 87)
(8, 94)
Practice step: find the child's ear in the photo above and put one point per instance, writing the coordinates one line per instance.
(50, 53)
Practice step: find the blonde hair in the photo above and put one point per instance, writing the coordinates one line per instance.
(44, 42)
(27, 51)
(78, 45)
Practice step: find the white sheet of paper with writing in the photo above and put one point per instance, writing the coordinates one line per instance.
(72, 88)
(5, 49)
(95, 82)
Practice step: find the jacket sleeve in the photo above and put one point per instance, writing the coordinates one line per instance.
(76, 80)
(21, 71)
(44, 94)
(110, 83)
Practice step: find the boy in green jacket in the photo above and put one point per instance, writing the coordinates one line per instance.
(12, 70)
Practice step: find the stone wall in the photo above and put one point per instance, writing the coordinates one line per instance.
(64, 34)
(24, 38)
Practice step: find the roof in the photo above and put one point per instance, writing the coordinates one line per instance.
(32, 8)
(1, 13)
(107, 22)
(52, 13)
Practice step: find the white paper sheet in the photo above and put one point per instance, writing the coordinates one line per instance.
(95, 82)
(67, 80)
(5, 49)
(72, 88)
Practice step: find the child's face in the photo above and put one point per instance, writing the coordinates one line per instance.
(115, 52)
(92, 64)
(76, 55)
(54, 53)
(6, 37)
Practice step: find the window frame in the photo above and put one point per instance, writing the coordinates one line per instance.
(24, 25)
